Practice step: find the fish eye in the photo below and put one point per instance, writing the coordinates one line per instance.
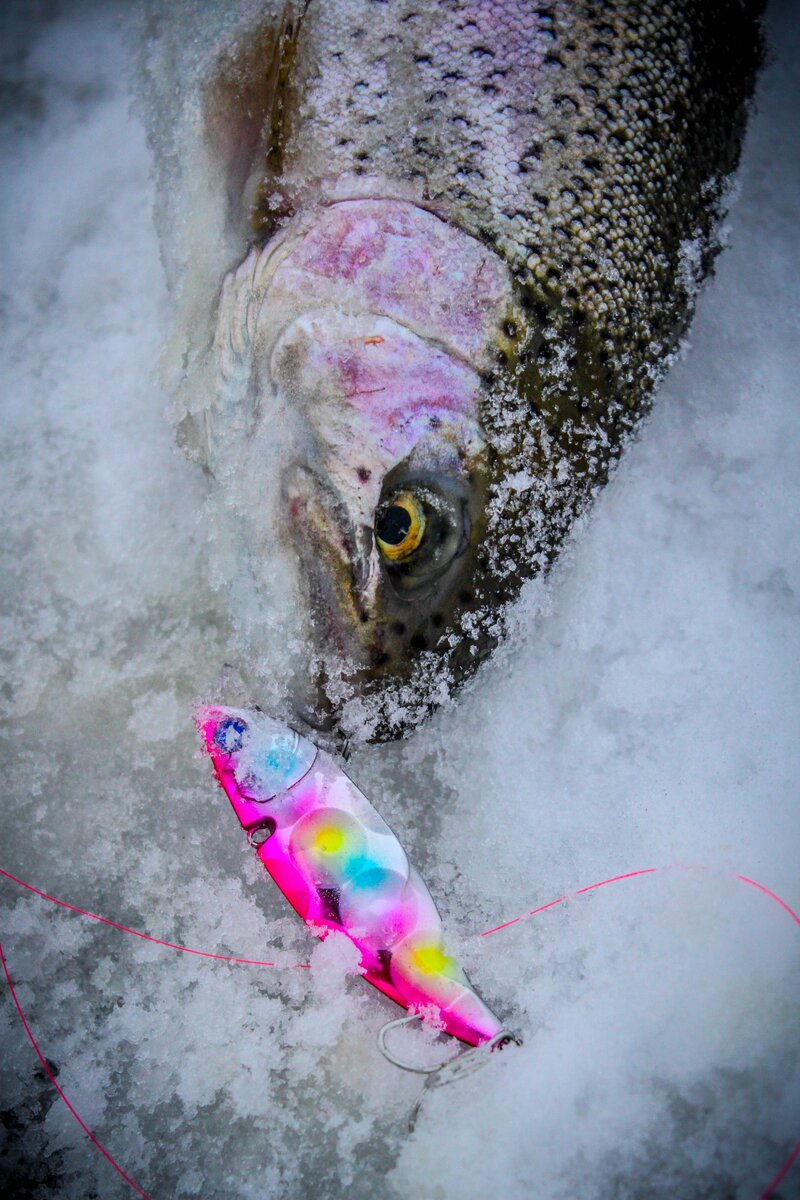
(400, 527)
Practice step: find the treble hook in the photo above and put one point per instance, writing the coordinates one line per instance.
(450, 1070)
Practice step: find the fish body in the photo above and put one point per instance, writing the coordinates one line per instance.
(340, 866)
(463, 241)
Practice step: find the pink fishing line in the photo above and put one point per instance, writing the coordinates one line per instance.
(248, 962)
(634, 875)
(46, 1066)
(771, 1187)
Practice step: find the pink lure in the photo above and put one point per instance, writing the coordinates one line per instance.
(340, 866)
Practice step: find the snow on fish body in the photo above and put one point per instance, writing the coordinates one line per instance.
(340, 866)
(462, 242)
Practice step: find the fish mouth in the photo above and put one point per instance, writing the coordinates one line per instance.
(335, 553)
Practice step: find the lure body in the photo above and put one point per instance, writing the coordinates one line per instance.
(340, 866)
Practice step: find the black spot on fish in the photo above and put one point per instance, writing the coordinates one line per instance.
(419, 641)
(364, 474)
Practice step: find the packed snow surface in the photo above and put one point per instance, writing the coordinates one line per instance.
(645, 712)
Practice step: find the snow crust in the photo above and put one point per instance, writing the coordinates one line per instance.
(644, 712)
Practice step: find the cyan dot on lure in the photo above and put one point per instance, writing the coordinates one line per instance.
(272, 766)
(267, 757)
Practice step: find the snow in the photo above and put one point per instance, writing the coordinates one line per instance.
(644, 712)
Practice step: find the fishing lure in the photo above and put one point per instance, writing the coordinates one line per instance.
(340, 866)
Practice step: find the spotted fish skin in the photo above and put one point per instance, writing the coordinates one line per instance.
(586, 148)
(585, 142)
(340, 866)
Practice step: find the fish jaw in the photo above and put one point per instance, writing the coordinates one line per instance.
(340, 865)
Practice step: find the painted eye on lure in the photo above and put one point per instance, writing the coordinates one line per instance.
(400, 528)
(230, 735)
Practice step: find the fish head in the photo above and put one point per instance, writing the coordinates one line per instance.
(352, 352)
(385, 504)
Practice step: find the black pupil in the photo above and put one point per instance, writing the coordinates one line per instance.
(393, 525)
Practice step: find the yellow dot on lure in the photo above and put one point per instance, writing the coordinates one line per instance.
(330, 840)
(430, 959)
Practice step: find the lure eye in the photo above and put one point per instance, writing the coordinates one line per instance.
(400, 528)
(229, 735)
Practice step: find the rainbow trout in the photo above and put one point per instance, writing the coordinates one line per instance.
(455, 247)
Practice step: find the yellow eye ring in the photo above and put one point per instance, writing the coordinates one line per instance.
(400, 528)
